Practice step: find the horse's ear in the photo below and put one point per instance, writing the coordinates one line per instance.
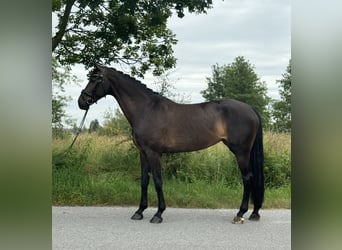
(98, 66)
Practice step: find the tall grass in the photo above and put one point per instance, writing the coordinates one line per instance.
(103, 170)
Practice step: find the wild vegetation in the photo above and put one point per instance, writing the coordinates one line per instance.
(105, 170)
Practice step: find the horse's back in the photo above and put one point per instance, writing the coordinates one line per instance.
(172, 127)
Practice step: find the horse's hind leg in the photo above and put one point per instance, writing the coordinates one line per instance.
(243, 162)
(145, 179)
(154, 160)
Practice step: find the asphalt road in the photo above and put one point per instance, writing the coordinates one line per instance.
(112, 228)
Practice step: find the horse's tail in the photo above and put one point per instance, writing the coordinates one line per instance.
(257, 166)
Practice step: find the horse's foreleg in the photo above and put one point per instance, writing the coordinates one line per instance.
(145, 179)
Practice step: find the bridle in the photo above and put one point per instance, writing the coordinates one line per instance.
(93, 97)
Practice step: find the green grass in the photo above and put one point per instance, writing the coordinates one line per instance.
(77, 188)
(105, 171)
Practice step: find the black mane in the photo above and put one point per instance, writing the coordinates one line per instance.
(138, 83)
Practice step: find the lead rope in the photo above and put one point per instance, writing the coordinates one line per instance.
(79, 130)
(57, 160)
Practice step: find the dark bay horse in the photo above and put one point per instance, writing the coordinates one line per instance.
(160, 125)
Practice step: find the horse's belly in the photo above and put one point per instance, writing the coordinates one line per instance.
(187, 143)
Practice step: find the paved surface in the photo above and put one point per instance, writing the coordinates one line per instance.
(112, 228)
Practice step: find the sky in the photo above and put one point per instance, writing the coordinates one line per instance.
(259, 30)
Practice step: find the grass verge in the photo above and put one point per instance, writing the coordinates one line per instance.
(76, 188)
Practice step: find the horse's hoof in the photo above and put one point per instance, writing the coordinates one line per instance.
(137, 216)
(254, 217)
(238, 220)
(156, 219)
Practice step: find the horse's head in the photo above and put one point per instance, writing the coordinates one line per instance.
(95, 89)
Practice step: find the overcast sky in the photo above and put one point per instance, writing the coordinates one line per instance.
(259, 30)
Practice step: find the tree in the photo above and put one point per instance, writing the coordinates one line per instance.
(94, 126)
(131, 32)
(115, 124)
(238, 81)
(166, 87)
(60, 77)
(282, 109)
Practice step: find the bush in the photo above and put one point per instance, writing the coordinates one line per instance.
(277, 170)
(122, 159)
(277, 148)
(115, 125)
(74, 158)
(215, 164)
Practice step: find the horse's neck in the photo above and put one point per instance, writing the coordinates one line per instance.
(132, 102)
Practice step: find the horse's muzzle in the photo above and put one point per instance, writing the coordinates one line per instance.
(83, 104)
